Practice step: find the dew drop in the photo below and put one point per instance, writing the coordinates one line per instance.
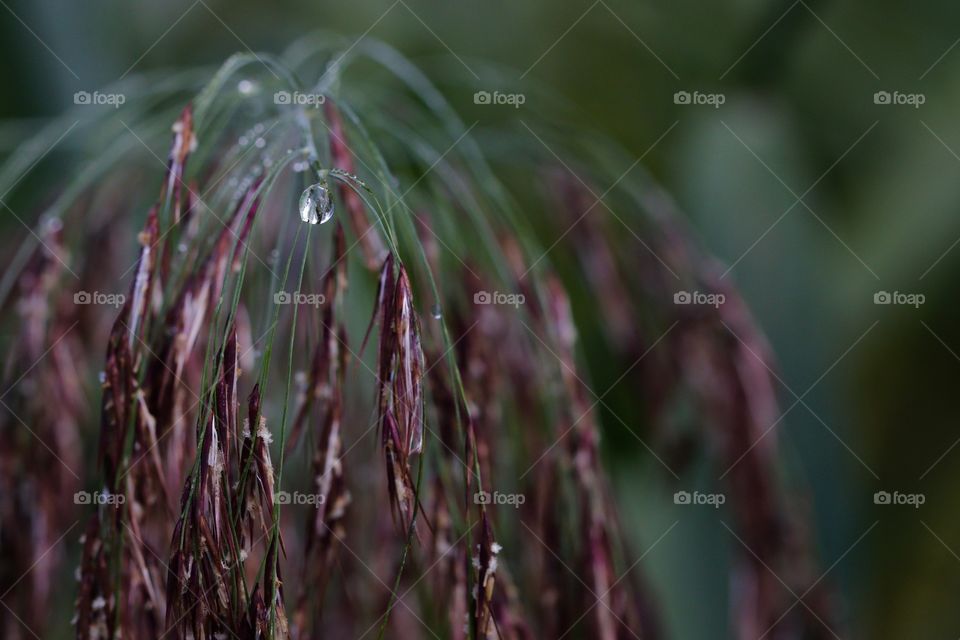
(436, 312)
(102, 376)
(53, 224)
(248, 87)
(316, 205)
(260, 143)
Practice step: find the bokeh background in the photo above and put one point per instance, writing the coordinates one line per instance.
(813, 194)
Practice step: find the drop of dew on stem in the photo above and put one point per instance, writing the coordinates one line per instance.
(436, 312)
(248, 87)
(316, 205)
(52, 224)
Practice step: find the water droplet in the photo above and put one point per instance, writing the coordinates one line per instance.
(436, 312)
(248, 87)
(53, 224)
(316, 205)
(243, 141)
(259, 143)
(102, 377)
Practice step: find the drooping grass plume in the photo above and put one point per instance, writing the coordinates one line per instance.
(420, 453)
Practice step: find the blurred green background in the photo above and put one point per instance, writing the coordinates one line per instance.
(879, 187)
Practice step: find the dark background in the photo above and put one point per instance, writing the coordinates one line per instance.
(879, 194)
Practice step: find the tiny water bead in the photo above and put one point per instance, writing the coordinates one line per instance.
(436, 311)
(316, 205)
(248, 87)
(52, 224)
